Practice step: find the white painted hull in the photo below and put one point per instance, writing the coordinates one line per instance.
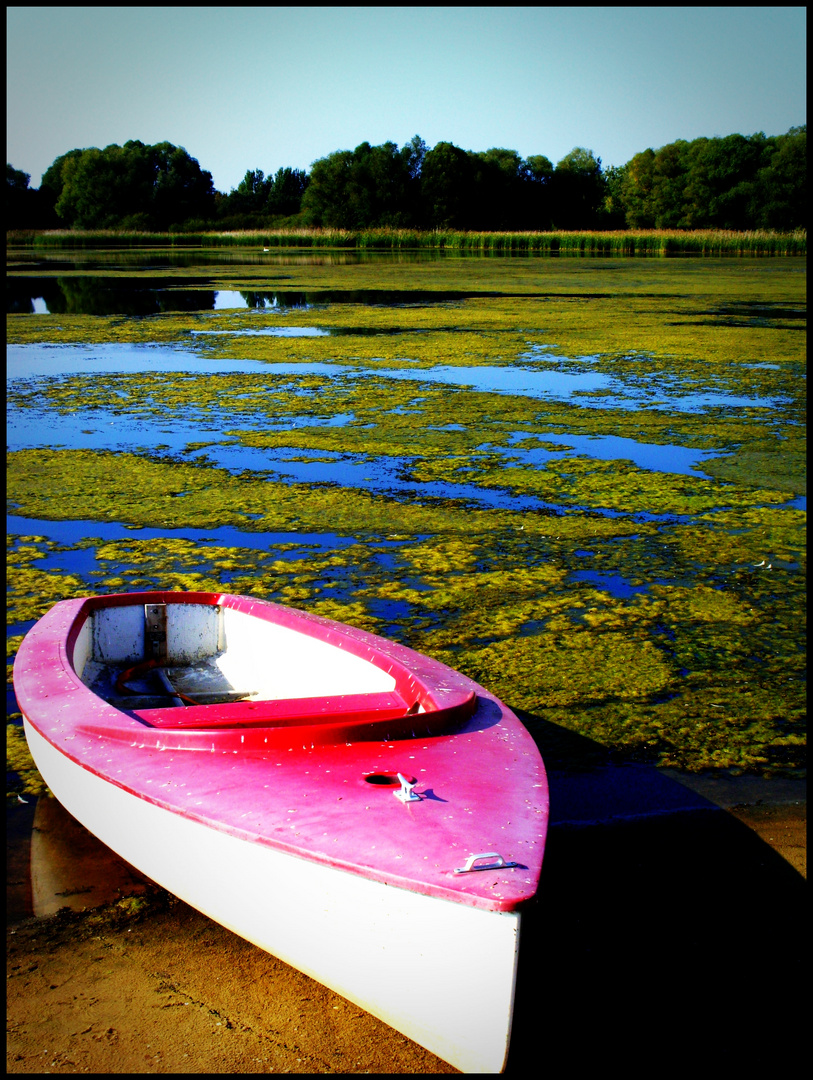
(407, 958)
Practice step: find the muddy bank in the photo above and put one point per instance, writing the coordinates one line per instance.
(167, 990)
(676, 933)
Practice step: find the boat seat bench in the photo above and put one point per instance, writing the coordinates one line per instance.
(290, 712)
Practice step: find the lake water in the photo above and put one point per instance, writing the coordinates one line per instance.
(100, 295)
(31, 361)
(562, 582)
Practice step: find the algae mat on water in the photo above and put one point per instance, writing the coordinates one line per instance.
(654, 611)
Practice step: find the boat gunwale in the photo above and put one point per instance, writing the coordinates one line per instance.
(418, 678)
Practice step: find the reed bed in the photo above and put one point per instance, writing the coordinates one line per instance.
(653, 242)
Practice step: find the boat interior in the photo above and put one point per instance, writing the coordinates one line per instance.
(198, 665)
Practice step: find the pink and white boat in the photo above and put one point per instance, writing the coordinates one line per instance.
(361, 811)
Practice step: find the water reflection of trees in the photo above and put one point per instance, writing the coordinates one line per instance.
(79, 295)
(261, 300)
(98, 295)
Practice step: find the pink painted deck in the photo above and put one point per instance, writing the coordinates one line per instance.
(293, 774)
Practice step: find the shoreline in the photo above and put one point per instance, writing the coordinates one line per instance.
(632, 915)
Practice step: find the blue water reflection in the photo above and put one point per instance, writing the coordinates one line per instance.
(74, 531)
(615, 584)
(669, 458)
(267, 331)
(108, 430)
(614, 393)
(49, 360)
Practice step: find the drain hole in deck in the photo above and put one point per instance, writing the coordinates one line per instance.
(387, 779)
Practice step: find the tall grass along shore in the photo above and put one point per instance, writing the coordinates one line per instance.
(628, 242)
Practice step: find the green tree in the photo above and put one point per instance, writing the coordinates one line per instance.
(16, 180)
(244, 205)
(324, 203)
(413, 154)
(378, 190)
(285, 192)
(369, 187)
(131, 186)
(102, 189)
(636, 190)
(537, 192)
(181, 190)
(251, 194)
(53, 182)
(719, 182)
(578, 190)
(736, 182)
(21, 200)
(446, 180)
(500, 177)
(669, 178)
(780, 186)
(611, 214)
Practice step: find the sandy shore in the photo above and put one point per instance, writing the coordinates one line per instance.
(678, 932)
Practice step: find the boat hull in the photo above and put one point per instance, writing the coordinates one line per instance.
(361, 811)
(407, 958)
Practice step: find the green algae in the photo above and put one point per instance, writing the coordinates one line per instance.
(615, 485)
(418, 424)
(694, 677)
(784, 468)
(675, 673)
(25, 778)
(73, 484)
(36, 590)
(765, 282)
(658, 658)
(576, 669)
(288, 573)
(631, 316)
(376, 416)
(30, 589)
(701, 667)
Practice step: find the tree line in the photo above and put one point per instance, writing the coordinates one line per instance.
(736, 182)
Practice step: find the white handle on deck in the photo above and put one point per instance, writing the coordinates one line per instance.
(499, 864)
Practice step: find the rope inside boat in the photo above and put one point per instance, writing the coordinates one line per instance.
(141, 669)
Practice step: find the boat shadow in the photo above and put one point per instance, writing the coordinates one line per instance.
(663, 929)
(53, 862)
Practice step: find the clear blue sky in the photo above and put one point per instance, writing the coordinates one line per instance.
(245, 88)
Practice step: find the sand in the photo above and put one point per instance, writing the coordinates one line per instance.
(677, 934)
